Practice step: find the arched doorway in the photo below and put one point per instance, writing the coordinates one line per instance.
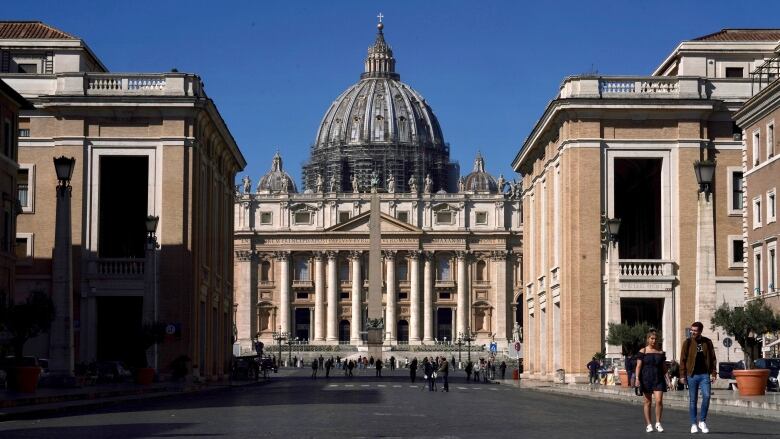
(519, 316)
(403, 331)
(344, 331)
(444, 324)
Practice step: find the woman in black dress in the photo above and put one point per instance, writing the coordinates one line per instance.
(651, 379)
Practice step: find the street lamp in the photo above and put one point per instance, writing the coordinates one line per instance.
(279, 336)
(613, 227)
(468, 337)
(459, 343)
(61, 334)
(150, 276)
(705, 173)
(151, 227)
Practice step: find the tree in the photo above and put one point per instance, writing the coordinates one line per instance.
(631, 338)
(745, 324)
(26, 320)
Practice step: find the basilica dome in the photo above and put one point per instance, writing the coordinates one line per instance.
(480, 180)
(276, 180)
(381, 125)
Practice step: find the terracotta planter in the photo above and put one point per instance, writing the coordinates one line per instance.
(623, 378)
(144, 376)
(751, 382)
(27, 378)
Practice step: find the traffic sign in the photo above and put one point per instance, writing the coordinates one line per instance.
(727, 342)
(493, 347)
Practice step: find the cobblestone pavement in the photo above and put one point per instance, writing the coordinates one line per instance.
(294, 405)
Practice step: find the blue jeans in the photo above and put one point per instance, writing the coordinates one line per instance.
(696, 382)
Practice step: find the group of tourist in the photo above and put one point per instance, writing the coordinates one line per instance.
(432, 368)
(649, 373)
(484, 368)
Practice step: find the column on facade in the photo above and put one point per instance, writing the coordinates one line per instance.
(390, 306)
(463, 293)
(284, 291)
(357, 296)
(502, 310)
(333, 297)
(414, 296)
(319, 296)
(428, 278)
(243, 297)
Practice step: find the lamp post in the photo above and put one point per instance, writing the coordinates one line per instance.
(613, 227)
(705, 242)
(459, 343)
(705, 173)
(279, 336)
(61, 335)
(150, 278)
(468, 337)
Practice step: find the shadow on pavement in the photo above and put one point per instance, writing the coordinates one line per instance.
(115, 431)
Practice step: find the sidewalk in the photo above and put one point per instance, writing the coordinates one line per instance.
(722, 400)
(49, 401)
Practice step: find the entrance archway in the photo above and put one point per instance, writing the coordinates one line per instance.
(344, 331)
(403, 331)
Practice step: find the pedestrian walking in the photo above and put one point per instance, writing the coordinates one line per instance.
(697, 368)
(378, 364)
(593, 371)
(371, 361)
(429, 370)
(502, 368)
(392, 364)
(650, 378)
(413, 369)
(328, 366)
(322, 362)
(444, 371)
(350, 366)
(314, 366)
(469, 369)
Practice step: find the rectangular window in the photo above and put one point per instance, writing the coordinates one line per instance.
(302, 217)
(23, 187)
(445, 295)
(735, 192)
(771, 269)
(771, 207)
(266, 218)
(302, 296)
(770, 140)
(343, 216)
(444, 218)
(757, 272)
(756, 147)
(736, 251)
(27, 68)
(344, 295)
(24, 132)
(481, 218)
(403, 216)
(756, 212)
(403, 295)
(734, 72)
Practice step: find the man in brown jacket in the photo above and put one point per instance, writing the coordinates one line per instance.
(697, 368)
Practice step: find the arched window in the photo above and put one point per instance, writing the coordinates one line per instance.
(301, 268)
(481, 270)
(443, 271)
(265, 271)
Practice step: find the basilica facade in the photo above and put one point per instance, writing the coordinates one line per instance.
(451, 261)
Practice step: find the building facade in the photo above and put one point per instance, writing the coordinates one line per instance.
(451, 260)
(625, 148)
(145, 144)
(761, 178)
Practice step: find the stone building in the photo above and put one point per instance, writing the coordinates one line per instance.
(10, 253)
(624, 147)
(144, 144)
(451, 260)
(761, 178)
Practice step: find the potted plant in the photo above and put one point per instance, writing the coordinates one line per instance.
(149, 334)
(745, 324)
(23, 321)
(630, 338)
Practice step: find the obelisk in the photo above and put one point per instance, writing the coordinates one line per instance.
(375, 323)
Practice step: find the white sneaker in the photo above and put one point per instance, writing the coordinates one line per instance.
(658, 427)
(703, 427)
(694, 429)
(649, 428)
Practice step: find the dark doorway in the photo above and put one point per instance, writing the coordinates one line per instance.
(122, 206)
(444, 324)
(344, 331)
(302, 323)
(118, 322)
(650, 311)
(638, 205)
(519, 316)
(403, 331)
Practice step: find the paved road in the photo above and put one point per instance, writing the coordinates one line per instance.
(293, 405)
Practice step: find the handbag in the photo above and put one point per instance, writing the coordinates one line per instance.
(638, 391)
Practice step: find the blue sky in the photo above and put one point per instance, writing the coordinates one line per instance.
(487, 68)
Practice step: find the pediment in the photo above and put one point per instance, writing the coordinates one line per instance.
(388, 224)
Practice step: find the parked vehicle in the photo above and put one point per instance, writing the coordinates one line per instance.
(726, 369)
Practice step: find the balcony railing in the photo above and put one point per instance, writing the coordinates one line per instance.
(654, 87)
(118, 267)
(645, 268)
(106, 84)
(555, 277)
(298, 283)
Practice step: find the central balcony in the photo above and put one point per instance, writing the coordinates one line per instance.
(646, 274)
